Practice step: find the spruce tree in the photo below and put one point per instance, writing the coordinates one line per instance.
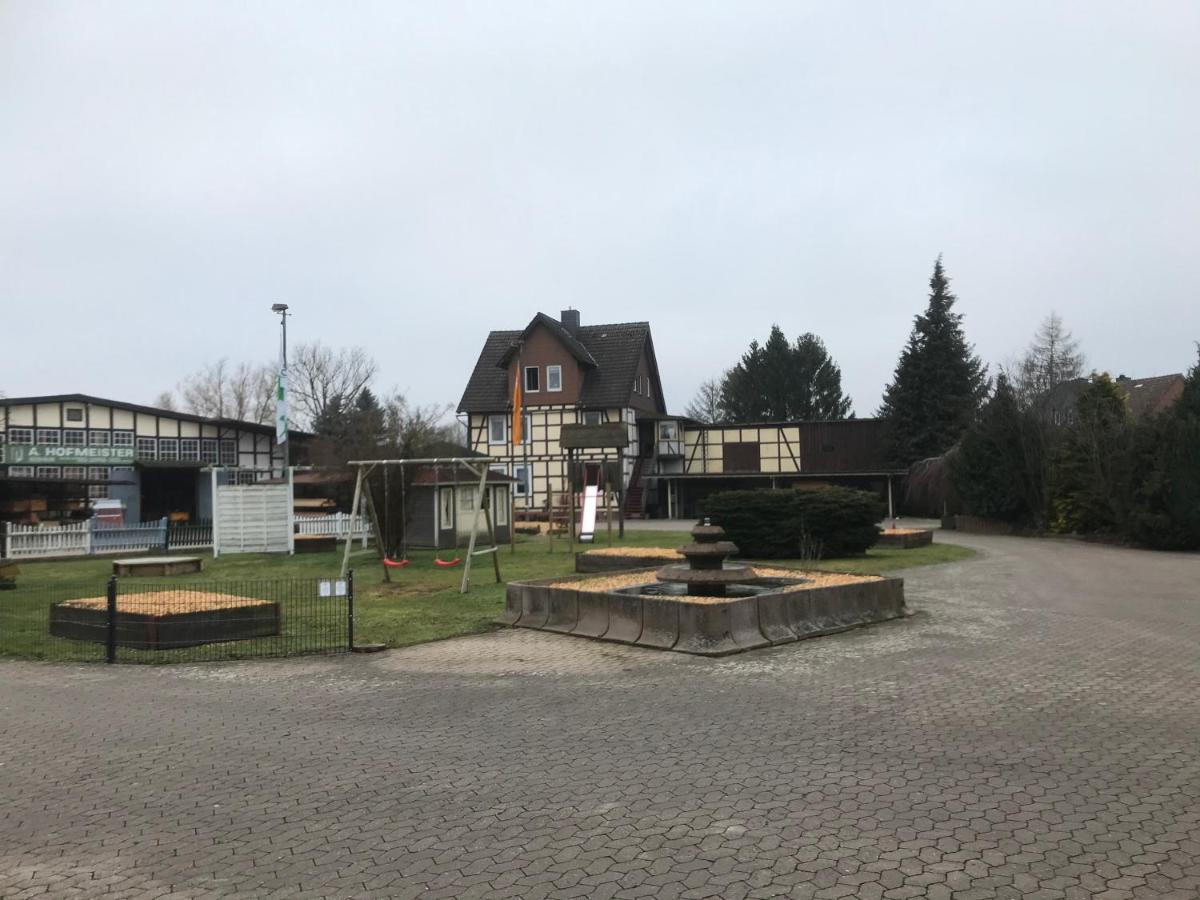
(939, 382)
(781, 382)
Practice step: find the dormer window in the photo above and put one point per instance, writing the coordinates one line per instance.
(532, 379)
(554, 378)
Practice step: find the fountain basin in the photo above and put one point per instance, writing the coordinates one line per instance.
(777, 606)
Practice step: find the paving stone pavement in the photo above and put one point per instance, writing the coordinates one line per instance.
(1032, 731)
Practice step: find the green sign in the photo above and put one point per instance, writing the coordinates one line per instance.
(54, 455)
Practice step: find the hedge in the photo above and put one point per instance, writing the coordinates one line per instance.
(787, 524)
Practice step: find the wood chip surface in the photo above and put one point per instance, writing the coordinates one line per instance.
(604, 583)
(164, 603)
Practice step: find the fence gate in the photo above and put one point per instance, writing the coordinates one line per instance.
(254, 517)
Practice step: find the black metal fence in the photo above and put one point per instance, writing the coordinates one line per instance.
(137, 621)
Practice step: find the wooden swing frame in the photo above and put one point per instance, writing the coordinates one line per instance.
(473, 465)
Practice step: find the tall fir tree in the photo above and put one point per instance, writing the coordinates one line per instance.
(781, 382)
(939, 382)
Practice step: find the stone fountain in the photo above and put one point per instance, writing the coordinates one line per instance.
(707, 606)
(708, 572)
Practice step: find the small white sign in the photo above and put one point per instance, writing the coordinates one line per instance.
(332, 587)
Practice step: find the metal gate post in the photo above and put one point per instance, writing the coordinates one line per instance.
(110, 640)
(350, 609)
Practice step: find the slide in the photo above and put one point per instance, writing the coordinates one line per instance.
(587, 525)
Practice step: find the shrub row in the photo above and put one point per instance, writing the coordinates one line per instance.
(781, 524)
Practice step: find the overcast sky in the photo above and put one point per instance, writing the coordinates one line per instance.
(408, 176)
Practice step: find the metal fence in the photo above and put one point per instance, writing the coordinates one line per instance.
(143, 621)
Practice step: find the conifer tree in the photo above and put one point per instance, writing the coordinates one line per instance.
(939, 382)
(781, 382)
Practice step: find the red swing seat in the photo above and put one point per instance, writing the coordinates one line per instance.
(446, 563)
(395, 563)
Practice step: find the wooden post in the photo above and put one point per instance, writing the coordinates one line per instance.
(466, 579)
(621, 482)
(570, 502)
(358, 483)
(487, 517)
(607, 500)
(387, 575)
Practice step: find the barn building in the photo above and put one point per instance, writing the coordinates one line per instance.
(60, 454)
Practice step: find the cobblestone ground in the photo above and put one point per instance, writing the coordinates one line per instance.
(1033, 731)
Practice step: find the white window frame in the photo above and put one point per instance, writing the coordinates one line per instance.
(466, 498)
(75, 473)
(70, 435)
(522, 474)
(123, 439)
(210, 451)
(668, 431)
(492, 420)
(49, 472)
(98, 473)
(526, 428)
(554, 373)
(597, 413)
(20, 471)
(99, 439)
(168, 448)
(500, 512)
(445, 508)
(97, 491)
(22, 436)
(537, 376)
(48, 436)
(147, 448)
(189, 449)
(68, 417)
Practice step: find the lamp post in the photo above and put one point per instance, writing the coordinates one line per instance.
(281, 429)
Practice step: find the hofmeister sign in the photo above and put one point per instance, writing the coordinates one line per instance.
(54, 455)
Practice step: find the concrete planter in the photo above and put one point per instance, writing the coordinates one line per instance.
(906, 541)
(715, 628)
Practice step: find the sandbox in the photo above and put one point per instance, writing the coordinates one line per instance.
(904, 538)
(602, 607)
(164, 620)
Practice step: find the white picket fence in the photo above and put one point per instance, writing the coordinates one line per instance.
(339, 525)
(90, 538)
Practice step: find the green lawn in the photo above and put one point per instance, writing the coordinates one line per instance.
(421, 603)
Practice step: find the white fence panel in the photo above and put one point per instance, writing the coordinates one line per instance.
(253, 518)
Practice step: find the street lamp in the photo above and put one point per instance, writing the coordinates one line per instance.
(281, 429)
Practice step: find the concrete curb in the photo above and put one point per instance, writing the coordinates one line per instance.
(704, 629)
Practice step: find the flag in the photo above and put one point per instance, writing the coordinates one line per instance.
(516, 402)
(281, 427)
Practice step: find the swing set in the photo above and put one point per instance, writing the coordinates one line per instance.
(383, 542)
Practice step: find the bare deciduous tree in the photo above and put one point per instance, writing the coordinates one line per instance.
(225, 391)
(706, 405)
(1052, 358)
(319, 375)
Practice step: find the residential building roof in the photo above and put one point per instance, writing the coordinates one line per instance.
(1144, 396)
(609, 355)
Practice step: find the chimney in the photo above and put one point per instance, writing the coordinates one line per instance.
(570, 319)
